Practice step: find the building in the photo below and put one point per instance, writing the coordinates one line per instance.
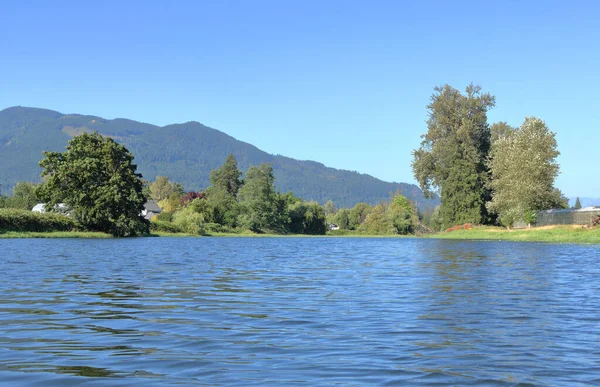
(151, 209)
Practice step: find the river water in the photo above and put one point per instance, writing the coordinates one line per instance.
(312, 311)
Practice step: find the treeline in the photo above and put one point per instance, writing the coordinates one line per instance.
(95, 182)
(231, 204)
(484, 174)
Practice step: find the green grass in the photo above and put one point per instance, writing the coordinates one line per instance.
(555, 234)
(53, 234)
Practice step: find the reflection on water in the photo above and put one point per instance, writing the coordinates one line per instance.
(316, 311)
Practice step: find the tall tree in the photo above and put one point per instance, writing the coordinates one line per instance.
(501, 129)
(162, 188)
(577, 204)
(227, 177)
(24, 196)
(523, 169)
(259, 200)
(451, 160)
(97, 179)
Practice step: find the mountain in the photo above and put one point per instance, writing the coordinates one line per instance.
(184, 152)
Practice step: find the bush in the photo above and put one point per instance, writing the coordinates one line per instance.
(23, 220)
(160, 226)
(165, 216)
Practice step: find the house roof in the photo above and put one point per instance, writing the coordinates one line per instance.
(151, 206)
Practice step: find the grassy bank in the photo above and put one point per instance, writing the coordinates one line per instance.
(554, 234)
(52, 234)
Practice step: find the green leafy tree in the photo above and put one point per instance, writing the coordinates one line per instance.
(225, 184)
(358, 214)
(162, 188)
(259, 200)
(342, 219)
(451, 160)
(24, 196)
(97, 180)
(329, 208)
(227, 177)
(523, 169)
(225, 206)
(577, 205)
(377, 222)
(500, 130)
(402, 215)
(306, 217)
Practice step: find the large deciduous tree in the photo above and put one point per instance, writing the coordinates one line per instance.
(97, 179)
(523, 169)
(451, 160)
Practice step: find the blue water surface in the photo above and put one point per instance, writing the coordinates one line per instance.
(306, 311)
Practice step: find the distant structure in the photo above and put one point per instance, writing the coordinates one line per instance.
(580, 216)
(60, 207)
(151, 209)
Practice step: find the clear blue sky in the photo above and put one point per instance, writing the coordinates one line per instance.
(341, 82)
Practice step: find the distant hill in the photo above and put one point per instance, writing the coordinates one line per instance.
(184, 152)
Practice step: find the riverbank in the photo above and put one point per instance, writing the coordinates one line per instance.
(53, 234)
(554, 234)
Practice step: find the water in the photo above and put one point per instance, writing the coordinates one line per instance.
(282, 311)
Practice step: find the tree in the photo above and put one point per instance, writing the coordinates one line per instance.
(162, 188)
(329, 208)
(227, 177)
(96, 178)
(402, 215)
(523, 169)
(259, 200)
(24, 196)
(577, 204)
(500, 130)
(451, 160)
(225, 184)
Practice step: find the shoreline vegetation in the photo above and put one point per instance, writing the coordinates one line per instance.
(551, 234)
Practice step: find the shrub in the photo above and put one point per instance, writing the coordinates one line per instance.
(160, 226)
(165, 216)
(23, 220)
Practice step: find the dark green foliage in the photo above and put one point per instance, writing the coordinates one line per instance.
(184, 152)
(97, 180)
(577, 205)
(306, 217)
(258, 200)
(452, 158)
(25, 220)
(227, 177)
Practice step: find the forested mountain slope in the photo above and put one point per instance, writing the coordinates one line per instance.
(184, 152)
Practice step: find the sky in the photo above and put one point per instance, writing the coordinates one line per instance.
(345, 83)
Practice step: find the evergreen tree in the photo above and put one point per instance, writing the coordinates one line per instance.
(227, 177)
(577, 204)
(451, 160)
(259, 200)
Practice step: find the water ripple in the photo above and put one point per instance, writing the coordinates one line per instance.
(238, 311)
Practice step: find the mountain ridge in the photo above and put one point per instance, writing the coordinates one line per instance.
(186, 152)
